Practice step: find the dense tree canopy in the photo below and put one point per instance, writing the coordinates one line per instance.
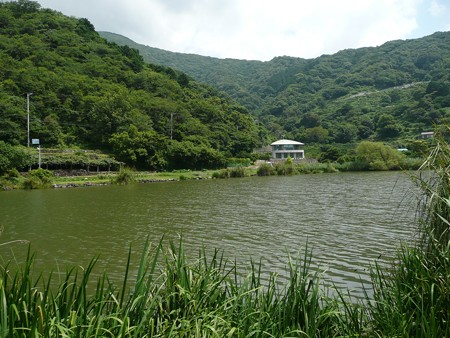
(87, 92)
(388, 93)
(91, 93)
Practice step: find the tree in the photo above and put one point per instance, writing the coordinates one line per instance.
(310, 120)
(193, 155)
(387, 127)
(378, 156)
(142, 150)
(13, 157)
(438, 88)
(344, 133)
(316, 135)
(329, 153)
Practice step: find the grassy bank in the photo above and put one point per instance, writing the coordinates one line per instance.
(43, 178)
(177, 296)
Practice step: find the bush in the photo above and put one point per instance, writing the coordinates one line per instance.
(125, 176)
(224, 173)
(38, 178)
(32, 183)
(239, 162)
(42, 174)
(286, 168)
(411, 163)
(11, 174)
(237, 172)
(265, 169)
(354, 166)
(13, 157)
(379, 156)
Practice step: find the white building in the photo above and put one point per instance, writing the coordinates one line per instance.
(282, 149)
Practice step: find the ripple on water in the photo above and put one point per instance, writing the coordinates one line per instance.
(347, 220)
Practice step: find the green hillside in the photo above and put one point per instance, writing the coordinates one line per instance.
(391, 92)
(94, 94)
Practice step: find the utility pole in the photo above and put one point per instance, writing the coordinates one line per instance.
(171, 125)
(28, 118)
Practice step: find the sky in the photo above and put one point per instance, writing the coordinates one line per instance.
(261, 29)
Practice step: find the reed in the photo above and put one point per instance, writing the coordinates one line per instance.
(174, 296)
(125, 176)
(413, 298)
(170, 297)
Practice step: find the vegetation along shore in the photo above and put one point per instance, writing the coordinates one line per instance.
(65, 88)
(173, 295)
(80, 108)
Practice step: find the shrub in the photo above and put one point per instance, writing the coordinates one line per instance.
(38, 178)
(11, 174)
(40, 173)
(224, 173)
(379, 156)
(411, 163)
(32, 183)
(412, 299)
(237, 172)
(239, 162)
(13, 157)
(286, 168)
(265, 169)
(125, 176)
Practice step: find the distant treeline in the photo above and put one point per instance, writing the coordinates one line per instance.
(85, 92)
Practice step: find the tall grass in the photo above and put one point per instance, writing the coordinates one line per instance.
(174, 296)
(413, 298)
(125, 176)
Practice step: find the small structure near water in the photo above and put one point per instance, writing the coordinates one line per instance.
(283, 149)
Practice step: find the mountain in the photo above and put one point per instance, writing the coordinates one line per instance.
(89, 93)
(391, 92)
(229, 75)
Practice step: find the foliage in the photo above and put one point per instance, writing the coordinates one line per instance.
(125, 176)
(76, 159)
(12, 157)
(286, 167)
(391, 92)
(387, 127)
(190, 155)
(265, 169)
(237, 172)
(171, 297)
(436, 204)
(223, 173)
(37, 179)
(239, 162)
(174, 296)
(378, 156)
(92, 94)
(230, 173)
(329, 153)
(316, 168)
(412, 299)
(140, 149)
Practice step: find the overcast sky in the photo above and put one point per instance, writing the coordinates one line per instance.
(261, 29)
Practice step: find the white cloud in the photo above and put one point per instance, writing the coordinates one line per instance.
(437, 9)
(252, 29)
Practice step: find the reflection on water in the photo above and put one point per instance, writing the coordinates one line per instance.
(348, 220)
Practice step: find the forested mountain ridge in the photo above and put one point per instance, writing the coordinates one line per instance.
(88, 92)
(391, 92)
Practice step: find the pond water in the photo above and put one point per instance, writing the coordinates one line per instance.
(348, 220)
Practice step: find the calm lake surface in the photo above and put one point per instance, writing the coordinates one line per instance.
(347, 219)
